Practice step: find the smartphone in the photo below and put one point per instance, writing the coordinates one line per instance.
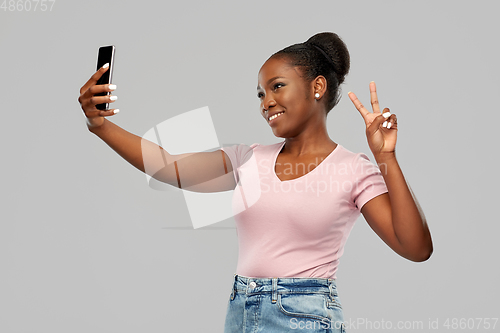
(106, 54)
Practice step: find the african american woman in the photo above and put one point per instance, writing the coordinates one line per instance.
(311, 189)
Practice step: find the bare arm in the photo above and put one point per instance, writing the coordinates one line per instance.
(396, 216)
(199, 172)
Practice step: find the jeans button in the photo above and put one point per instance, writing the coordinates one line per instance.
(252, 285)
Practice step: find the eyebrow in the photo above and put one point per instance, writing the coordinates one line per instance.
(271, 80)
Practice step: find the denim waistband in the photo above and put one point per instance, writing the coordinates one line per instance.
(275, 286)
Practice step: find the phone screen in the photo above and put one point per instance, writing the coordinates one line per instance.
(106, 55)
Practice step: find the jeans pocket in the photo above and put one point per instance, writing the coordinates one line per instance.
(308, 306)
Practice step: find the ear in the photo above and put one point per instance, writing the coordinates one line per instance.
(319, 86)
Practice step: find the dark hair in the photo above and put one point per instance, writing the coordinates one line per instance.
(322, 54)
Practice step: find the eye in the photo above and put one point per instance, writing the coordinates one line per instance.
(260, 95)
(278, 85)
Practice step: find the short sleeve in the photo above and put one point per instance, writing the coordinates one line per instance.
(368, 181)
(239, 155)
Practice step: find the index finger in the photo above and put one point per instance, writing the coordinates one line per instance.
(374, 98)
(94, 78)
(357, 103)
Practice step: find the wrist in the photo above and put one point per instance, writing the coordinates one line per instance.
(385, 157)
(94, 128)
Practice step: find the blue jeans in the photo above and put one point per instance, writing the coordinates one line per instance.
(284, 305)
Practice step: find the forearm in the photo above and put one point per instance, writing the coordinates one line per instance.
(143, 154)
(409, 223)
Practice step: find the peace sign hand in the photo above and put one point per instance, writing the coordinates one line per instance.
(381, 128)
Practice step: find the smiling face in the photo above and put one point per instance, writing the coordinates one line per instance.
(281, 89)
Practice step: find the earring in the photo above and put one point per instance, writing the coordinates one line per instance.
(316, 95)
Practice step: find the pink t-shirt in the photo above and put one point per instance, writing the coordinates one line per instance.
(298, 227)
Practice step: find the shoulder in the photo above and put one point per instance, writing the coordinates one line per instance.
(255, 148)
(241, 148)
(241, 153)
(356, 164)
(266, 148)
(347, 156)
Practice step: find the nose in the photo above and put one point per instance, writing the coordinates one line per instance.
(267, 103)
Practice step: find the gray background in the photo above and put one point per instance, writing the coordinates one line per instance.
(87, 246)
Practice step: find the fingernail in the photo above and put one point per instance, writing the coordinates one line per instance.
(106, 65)
(389, 125)
(115, 111)
(113, 98)
(349, 92)
(384, 124)
(112, 86)
(386, 114)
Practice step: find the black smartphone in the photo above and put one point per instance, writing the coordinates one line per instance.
(105, 55)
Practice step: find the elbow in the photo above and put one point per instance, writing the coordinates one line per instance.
(422, 255)
(423, 249)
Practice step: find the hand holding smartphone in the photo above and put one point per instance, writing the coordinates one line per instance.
(105, 55)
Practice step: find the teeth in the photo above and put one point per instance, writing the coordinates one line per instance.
(275, 116)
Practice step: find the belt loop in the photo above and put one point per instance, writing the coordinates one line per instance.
(275, 290)
(330, 286)
(233, 293)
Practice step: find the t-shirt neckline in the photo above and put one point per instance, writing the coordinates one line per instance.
(276, 153)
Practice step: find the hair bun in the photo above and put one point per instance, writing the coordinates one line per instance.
(336, 49)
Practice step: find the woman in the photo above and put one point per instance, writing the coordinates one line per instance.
(311, 189)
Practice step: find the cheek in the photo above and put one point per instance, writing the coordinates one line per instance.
(295, 99)
(299, 93)
(290, 96)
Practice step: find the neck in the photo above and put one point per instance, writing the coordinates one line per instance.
(312, 140)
